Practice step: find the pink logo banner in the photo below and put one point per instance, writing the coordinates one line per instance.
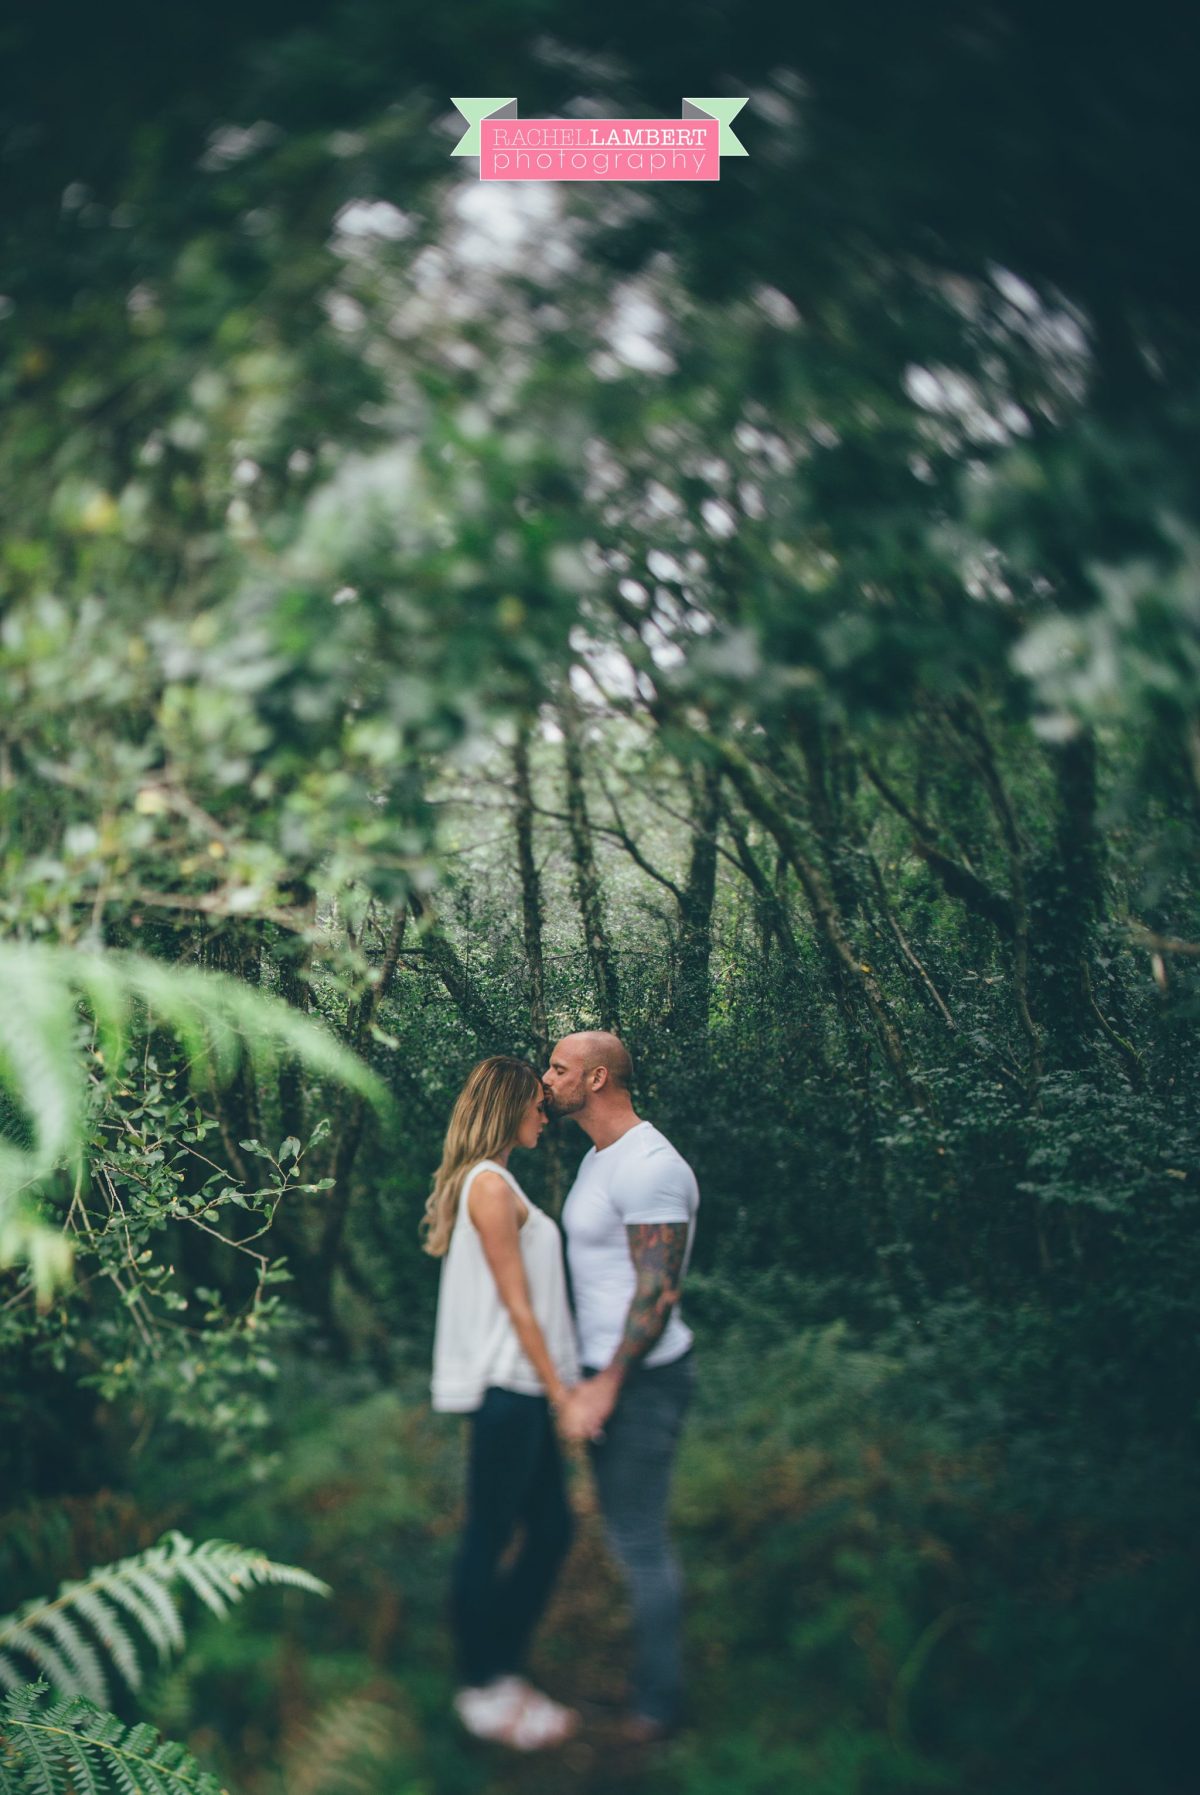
(604, 149)
(599, 149)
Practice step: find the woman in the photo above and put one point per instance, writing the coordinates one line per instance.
(504, 1353)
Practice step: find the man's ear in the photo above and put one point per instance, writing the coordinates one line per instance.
(599, 1077)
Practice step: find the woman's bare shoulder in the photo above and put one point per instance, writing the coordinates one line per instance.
(491, 1196)
(492, 1180)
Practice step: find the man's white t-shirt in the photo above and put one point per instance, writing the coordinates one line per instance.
(640, 1178)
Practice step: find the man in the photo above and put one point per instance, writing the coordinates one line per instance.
(629, 1223)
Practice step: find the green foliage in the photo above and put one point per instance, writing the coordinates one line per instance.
(881, 1531)
(50, 1744)
(855, 491)
(218, 1022)
(349, 1748)
(893, 1548)
(130, 1601)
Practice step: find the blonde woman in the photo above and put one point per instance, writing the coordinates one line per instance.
(504, 1354)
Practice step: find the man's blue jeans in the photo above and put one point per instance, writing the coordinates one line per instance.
(633, 1465)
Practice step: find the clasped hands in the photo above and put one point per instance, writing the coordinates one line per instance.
(585, 1408)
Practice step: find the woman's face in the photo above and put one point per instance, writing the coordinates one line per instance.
(533, 1120)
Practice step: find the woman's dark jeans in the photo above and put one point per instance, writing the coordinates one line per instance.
(633, 1465)
(514, 1478)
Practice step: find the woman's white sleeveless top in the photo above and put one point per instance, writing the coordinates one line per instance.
(475, 1343)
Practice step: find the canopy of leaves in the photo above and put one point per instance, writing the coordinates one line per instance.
(760, 615)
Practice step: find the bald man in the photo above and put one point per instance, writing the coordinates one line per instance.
(629, 1222)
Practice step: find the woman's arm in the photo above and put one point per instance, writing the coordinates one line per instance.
(492, 1206)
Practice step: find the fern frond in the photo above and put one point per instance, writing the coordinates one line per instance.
(225, 1020)
(49, 1635)
(233, 1568)
(77, 1649)
(42, 1654)
(218, 1020)
(49, 1745)
(143, 1597)
(32, 1760)
(25, 1239)
(344, 1750)
(81, 1768)
(110, 1632)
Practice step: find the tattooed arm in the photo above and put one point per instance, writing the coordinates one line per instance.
(657, 1250)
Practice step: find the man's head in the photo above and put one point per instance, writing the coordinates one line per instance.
(587, 1072)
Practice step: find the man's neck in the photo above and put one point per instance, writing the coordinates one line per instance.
(608, 1126)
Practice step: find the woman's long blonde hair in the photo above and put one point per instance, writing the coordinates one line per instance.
(485, 1121)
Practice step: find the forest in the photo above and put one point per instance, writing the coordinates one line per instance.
(758, 617)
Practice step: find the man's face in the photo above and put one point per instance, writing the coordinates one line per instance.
(565, 1080)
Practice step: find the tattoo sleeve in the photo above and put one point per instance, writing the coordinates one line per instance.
(657, 1250)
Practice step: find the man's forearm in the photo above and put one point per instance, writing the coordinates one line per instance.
(644, 1325)
(657, 1250)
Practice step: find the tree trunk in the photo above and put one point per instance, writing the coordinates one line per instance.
(587, 882)
(858, 974)
(349, 1136)
(689, 1013)
(236, 951)
(774, 923)
(294, 991)
(443, 956)
(827, 824)
(1065, 903)
(531, 897)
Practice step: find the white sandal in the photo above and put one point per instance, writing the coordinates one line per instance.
(542, 1722)
(512, 1712)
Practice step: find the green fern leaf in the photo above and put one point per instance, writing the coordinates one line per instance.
(10, 1676)
(48, 1634)
(135, 1754)
(120, 1772)
(23, 1700)
(205, 1587)
(40, 1652)
(47, 1746)
(345, 1751)
(31, 1757)
(219, 1021)
(78, 1652)
(240, 1568)
(77, 1755)
(109, 1631)
(152, 1606)
(37, 1023)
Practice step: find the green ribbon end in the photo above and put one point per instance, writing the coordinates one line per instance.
(724, 111)
(475, 111)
